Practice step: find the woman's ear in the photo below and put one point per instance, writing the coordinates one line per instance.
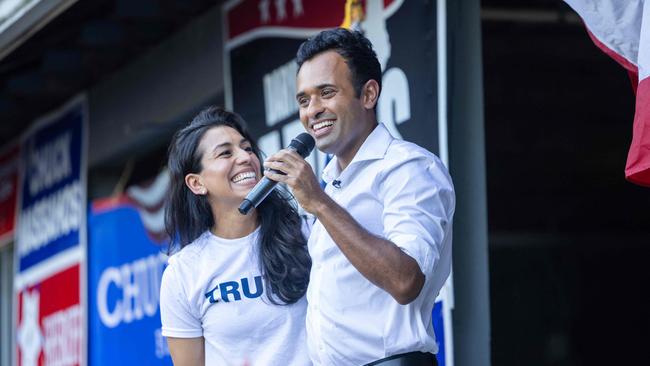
(370, 94)
(193, 182)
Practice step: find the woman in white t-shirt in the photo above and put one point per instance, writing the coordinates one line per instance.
(233, 291)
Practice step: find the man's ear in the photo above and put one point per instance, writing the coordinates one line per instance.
(370, 94)
(193, 182)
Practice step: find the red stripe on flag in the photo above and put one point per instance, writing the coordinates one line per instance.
(632, 69)
(613, 54)
(637, 169)
(105, 204)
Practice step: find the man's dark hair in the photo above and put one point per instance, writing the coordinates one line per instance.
(353, 47)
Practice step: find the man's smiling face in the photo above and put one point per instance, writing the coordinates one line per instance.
(330, 109)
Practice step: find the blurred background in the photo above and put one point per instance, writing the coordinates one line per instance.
(551, 242)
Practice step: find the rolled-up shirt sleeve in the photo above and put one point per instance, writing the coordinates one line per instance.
(418, 209)
(177, 318)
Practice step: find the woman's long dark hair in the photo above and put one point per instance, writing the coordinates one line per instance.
(283, 257)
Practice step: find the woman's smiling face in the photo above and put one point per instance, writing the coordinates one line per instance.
(230, 168)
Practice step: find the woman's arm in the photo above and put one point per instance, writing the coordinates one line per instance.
(187, 351)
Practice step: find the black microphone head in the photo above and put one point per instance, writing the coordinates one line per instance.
(303, 144)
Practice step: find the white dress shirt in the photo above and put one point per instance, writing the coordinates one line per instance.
(403, 193)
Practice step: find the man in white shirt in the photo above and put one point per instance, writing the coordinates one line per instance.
(381, 246)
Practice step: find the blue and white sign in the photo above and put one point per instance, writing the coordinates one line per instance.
(125, 266)
(49, 291)
(53, 187)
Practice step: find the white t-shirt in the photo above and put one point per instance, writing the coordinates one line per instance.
(213, 288)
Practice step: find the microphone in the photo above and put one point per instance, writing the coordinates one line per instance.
(303, 144)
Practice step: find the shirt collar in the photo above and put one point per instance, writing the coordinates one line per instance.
(373, 148)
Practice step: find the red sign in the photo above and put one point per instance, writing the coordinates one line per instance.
(8, 184)
(49, 328)
(245, 16)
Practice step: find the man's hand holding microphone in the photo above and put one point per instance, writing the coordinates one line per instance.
(289, 166)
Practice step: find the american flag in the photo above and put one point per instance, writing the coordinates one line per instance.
(621, 28)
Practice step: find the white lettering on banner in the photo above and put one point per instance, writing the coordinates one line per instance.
(162, 349)
(29, 337)
(63, 337)
(50, 218)
(49, 164)
(280, 93)
(394, 105)
(110, 275)
(138, 282)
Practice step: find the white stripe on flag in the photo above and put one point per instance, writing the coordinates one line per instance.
(644, 44)
(615, 23)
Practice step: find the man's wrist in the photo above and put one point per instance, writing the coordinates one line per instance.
(320, 205)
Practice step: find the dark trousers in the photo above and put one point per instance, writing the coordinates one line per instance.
(407, 359)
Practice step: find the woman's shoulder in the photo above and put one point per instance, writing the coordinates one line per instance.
(189, 254)
(184, 266)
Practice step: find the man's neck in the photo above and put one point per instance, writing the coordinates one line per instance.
(344, 160)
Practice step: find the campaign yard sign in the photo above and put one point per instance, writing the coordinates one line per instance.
(51, 239)
(50, 320)
(261, 38)
(126, 258)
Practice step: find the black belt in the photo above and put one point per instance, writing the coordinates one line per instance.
(407, 359)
